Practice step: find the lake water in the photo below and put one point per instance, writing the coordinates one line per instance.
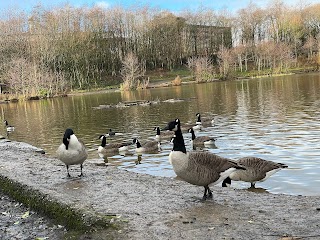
(273, 118)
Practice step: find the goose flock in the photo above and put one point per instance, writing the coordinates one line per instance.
(197, 167)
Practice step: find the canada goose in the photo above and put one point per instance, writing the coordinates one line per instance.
(151, 146)
(158, 134)
(204, 122)
(257, 170)
(9, 128)
(198, 167)
(202, 140)
(113, 133)
(198, 126)
(72, 151)
(111, 147)
(161, 134)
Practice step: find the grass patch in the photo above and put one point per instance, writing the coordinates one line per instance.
(162, 75)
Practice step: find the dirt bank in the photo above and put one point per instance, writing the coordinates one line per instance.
(128, 205)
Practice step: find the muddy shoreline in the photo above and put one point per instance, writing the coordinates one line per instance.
(140, 206)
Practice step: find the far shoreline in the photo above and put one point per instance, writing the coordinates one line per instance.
(160, 83)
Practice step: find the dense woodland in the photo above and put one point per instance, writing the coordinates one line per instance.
(51, 51)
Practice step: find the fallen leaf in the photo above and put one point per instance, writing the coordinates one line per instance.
(25, 215)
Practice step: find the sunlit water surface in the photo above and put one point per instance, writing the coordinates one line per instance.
(273, 118)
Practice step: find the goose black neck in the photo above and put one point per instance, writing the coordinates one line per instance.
(65, 142)
(193, 136)
(104, 141)
(138, 144)
(199, 118)
(178, 143)
(158, 131)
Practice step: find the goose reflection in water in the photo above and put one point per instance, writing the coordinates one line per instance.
(257, 190)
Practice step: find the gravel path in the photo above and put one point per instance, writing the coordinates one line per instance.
(146, 207)
(19, 222)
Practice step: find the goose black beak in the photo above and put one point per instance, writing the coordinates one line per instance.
(171, 126)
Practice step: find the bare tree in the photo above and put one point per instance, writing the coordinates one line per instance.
(250, 22)
(201, 68)
(27, 79)
(132, 72)
(310, 45)
(225, 59)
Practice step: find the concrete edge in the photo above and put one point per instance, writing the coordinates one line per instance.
(71, 218)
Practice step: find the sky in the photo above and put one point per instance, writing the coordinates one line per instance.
(171, 5)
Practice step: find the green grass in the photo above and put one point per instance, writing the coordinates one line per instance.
(157, 76)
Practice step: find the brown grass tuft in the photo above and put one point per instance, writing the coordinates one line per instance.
(177, 81)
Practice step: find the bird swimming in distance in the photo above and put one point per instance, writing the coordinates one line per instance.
(72, 151)
(147, 147)
(204, 122)
(201, 140)
(162, 134)
(257, 170)
(198, 167)
(111, 147)
(112, 133)
(9, 128)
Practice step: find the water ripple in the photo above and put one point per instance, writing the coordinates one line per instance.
(276, 119)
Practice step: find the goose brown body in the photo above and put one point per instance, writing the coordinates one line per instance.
(201, 140)
(257, 170)
(150, 146)
(105, 148)
(201, 168)
(204, 122)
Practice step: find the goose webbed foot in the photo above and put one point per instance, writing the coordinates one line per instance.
(207, 193)
(210, 193)
(253, 185)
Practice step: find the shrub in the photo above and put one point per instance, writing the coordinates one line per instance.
(201, 68)
(177, 81)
